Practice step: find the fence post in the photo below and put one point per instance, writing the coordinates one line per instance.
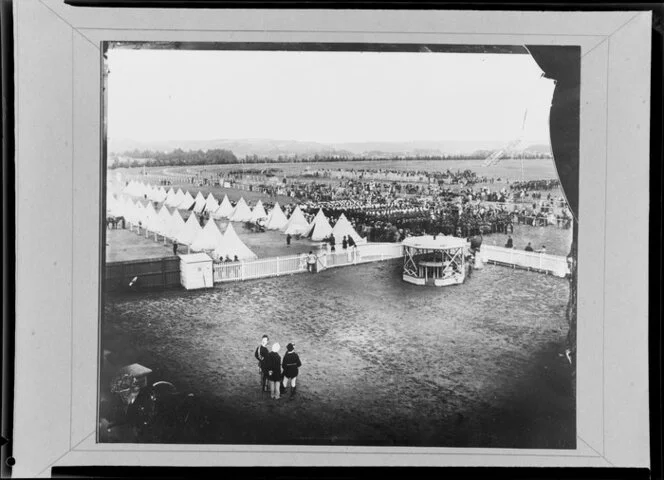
(277, 265)
(540, 261)
(242, 270)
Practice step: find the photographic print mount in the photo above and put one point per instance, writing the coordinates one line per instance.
(77, 51)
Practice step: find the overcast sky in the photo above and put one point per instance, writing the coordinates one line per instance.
(156, 95)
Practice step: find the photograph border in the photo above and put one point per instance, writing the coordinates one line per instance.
(56, 349)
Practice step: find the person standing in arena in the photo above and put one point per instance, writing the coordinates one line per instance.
(311, 262)
(261, 354)
(273, 366)
(291, 365)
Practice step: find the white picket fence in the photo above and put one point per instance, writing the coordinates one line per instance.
(370, 252)
(278, 266)
(542, 262)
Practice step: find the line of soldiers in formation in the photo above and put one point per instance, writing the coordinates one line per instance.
(394, 224)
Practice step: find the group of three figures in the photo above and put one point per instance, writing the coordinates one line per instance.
(276, 373)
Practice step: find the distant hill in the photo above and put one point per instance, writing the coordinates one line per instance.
(538, 148)
(275, 148)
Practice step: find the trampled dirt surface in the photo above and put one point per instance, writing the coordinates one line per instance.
(385, 363)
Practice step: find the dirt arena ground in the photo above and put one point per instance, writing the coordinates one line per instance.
(385, 363)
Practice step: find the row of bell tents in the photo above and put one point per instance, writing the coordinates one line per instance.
(190, 233)
(318, 230)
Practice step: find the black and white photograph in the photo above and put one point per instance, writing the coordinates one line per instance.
(349, 238)
(329, 245)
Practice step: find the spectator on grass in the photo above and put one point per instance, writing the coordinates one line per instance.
(529, 248)
(470, 261)
(510, 243)
(352, 249)
(351, 242)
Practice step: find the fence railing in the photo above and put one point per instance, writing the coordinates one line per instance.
(370, 252)
(278, 266)
(143, 274)
(543, 262)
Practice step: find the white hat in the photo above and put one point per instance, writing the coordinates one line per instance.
(276, 347)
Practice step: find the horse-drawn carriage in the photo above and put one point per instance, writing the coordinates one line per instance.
(257, 226)
(148, 412)
(114, 221)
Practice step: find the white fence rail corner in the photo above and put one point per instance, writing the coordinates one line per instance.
(279, 266)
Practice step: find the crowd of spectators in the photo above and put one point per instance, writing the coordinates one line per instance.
(405, 205)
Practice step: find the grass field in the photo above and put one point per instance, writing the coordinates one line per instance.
(506, 168)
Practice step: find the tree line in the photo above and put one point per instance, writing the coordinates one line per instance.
(179, 157)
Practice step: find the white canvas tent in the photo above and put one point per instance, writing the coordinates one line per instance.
(137, 212)
(297, 224)
(125, 208)
(161, 194)
(187, 202)
(258, 212)
(141, 189)
(177, 199)
(190, 231)
(209, 238)
(176, 225)
(276, 220)
(199, 203)
(113, 206)
(343, 227)
(225, 209)
(232, 246)
(150, 217)
(171, 199)
(122, 207)
(140, 213)
(320, 228)
(163, 221)
(130, 188)
(242, 212)
(211, 203)
(130, 209)
(151, 192)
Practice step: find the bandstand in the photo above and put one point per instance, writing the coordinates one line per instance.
(437, 261)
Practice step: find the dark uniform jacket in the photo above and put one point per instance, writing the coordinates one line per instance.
(273, 364)
(261, 354)
(291, 363)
